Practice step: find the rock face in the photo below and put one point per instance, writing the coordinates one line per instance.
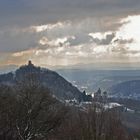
(58, 86)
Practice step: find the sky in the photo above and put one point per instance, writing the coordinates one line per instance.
(64, 33)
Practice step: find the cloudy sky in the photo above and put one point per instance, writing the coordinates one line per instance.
(69, 32)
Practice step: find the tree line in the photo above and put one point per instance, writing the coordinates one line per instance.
(28, 111)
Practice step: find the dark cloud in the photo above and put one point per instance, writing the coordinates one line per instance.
(104, 41)
(111, 38)
(27, 12)
(14, 40)
(123, 41)
(79, 39)
(108, 39)
(86, 39)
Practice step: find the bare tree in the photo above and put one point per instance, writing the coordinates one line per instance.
(94, 124)
(38, 112)
(31, 112)
(7, 114)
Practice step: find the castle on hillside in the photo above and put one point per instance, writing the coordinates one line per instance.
(30, 63)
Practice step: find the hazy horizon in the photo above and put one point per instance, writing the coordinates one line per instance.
(80, 66)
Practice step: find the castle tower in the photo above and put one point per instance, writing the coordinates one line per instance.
(30, 63)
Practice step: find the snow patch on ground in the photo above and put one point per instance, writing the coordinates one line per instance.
(112, 105)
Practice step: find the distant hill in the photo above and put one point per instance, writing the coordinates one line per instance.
(7, 68)
(58, 86)
(126, 89)
(92, 80)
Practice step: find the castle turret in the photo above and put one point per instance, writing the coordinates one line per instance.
(30, 63)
